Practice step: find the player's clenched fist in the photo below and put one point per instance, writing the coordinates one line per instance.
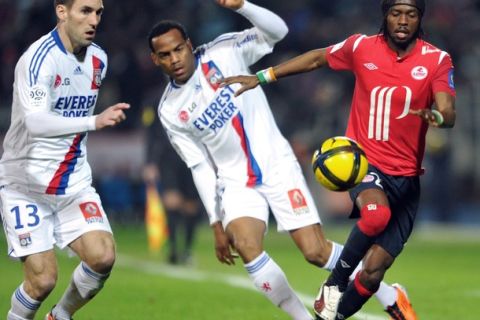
(111, 116)
(231, 4)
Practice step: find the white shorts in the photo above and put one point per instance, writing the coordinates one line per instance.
(35, 222)
(285, 192)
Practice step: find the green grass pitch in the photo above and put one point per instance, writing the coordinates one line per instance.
(439, 267)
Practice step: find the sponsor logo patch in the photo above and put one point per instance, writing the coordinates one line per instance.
(297, 201)
(91, 212)
(183, 116)
(370, 66)
(58, 81)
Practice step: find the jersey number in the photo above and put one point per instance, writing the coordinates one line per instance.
(32, 210)
(380, 105)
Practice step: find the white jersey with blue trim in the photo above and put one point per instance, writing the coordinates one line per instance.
(50, 79)
(239, 133)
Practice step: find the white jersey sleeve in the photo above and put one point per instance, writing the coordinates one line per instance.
(191, 151)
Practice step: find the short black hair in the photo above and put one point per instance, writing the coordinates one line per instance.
(163, 27)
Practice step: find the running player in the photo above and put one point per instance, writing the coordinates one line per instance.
(46, 195)
(399, 76)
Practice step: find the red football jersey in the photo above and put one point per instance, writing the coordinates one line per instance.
(386, 88)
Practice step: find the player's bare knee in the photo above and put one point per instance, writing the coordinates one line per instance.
(41, 285)
(247, 248)
(374, 219)
(315, 255)
(102, 263)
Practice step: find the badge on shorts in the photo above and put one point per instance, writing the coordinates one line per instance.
(297, 201)
(25, 239)
(91, 212)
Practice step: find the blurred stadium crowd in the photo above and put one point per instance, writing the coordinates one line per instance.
(308, 108)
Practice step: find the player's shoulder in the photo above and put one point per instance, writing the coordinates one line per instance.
(41, 47)
(98, 51)
(354, 42)
(432, 52)
(167, 101)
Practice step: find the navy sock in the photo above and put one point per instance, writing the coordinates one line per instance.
(353, 252)
(353, 299)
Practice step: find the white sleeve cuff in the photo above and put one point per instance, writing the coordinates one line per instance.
(91, 123)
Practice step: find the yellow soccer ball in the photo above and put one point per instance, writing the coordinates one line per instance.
(340, 164)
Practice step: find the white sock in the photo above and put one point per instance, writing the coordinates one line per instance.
(84, 285)
(23, 306)
(386, 294)
(334, 256)
(272, 282)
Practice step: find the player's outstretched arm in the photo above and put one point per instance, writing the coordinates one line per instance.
(443, 116)
(111, 116)
(306, 62)
(46, 125)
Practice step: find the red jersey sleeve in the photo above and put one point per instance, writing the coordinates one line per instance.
(442, 80)
(340, 55)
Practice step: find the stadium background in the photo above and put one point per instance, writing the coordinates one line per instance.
(437, 267)
(308, 108)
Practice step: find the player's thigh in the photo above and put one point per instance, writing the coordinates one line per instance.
(81, 214)
(28, 222)
(403, 194)
(241, 201)
(290, 199)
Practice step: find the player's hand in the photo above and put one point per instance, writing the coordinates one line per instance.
(111, 116)
(222, 245)
(246, 82)
(231, 4)
(426, 115)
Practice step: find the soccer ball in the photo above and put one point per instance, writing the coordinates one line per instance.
(340, 164)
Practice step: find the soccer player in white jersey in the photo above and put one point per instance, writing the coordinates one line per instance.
(241, 163)
(46, 196)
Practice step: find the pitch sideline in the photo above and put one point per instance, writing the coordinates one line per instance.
(156, 268)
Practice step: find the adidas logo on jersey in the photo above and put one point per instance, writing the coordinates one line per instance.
(370, 66)
(77, 71)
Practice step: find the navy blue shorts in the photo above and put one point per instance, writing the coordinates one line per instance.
(403, 195)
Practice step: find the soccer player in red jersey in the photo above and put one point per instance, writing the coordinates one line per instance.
(399, 77)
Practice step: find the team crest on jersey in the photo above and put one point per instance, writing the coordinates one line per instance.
(98, 66)
(183, 116)
(419, 73)
(212, 73)
(91, 212)
(25, 239)
(297, 201)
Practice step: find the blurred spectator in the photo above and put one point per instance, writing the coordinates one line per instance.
(319, 101)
